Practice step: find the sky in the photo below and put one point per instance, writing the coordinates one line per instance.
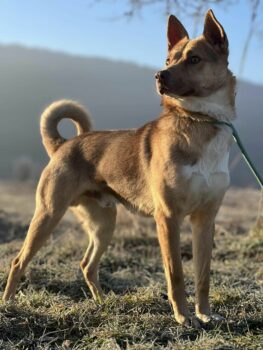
(97, 28)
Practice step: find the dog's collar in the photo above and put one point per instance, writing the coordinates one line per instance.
(207, 120)
(219, 122)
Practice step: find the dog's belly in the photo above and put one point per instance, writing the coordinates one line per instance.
(137, 207)
(108, 198)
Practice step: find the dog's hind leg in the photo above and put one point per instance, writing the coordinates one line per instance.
(53, 196)
(99, 223)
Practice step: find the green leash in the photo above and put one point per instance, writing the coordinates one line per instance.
(243, 151)
(259, 223)
(258, 228)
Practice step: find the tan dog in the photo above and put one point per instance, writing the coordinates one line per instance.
(172, 167)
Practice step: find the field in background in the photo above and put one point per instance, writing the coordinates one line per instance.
(118, 95)
(54, 310)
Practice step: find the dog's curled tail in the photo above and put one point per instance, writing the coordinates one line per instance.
(51, 117)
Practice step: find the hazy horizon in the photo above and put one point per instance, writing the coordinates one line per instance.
(119, 95)
(103, 58)
(100, 29)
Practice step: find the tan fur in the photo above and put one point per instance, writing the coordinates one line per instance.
(155, 170)
(54, 114)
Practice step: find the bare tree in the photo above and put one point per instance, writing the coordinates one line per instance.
(193, 8)
(196, 9)
(254, 6)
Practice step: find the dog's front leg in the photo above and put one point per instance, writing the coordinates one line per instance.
(168, 228)
(203, 235)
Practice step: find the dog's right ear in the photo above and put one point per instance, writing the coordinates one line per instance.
(175, 32)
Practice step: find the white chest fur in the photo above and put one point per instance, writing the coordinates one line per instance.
(216, 105)
(210, 174)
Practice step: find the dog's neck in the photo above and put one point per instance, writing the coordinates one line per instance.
(219, 105)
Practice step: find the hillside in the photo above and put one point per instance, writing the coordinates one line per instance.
(54, 309)
(118, 95)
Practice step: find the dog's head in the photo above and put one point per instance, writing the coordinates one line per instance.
(195, 67)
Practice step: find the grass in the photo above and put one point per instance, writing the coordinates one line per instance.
(54, 309)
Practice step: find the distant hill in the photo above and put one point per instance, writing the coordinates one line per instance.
(118, 95)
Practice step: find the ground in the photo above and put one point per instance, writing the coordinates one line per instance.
(53, 308)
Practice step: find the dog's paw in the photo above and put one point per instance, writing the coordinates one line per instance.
(206, 318)
(188, 321)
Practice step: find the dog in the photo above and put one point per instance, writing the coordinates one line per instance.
(170, 168)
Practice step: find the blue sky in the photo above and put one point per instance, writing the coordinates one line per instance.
(77, 27)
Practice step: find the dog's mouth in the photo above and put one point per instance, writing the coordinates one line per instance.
(163, 90)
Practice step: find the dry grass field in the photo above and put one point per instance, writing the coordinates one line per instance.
(53, 308)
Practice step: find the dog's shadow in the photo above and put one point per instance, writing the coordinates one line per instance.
(31, 328)
(77, 288)
(16, 327)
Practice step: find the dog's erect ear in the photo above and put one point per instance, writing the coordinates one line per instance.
(214, 32)
(175, 32)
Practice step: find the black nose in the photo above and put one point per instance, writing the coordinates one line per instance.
(162, 75)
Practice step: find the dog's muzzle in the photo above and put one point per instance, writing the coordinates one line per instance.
(162, 79)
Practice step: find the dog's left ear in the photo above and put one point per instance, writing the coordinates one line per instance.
(214, 33)
(175, 32)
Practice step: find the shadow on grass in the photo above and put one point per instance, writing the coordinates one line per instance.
(77, 289)
(28, 328)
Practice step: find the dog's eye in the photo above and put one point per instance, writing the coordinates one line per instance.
(167, 62)
(195, 59)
